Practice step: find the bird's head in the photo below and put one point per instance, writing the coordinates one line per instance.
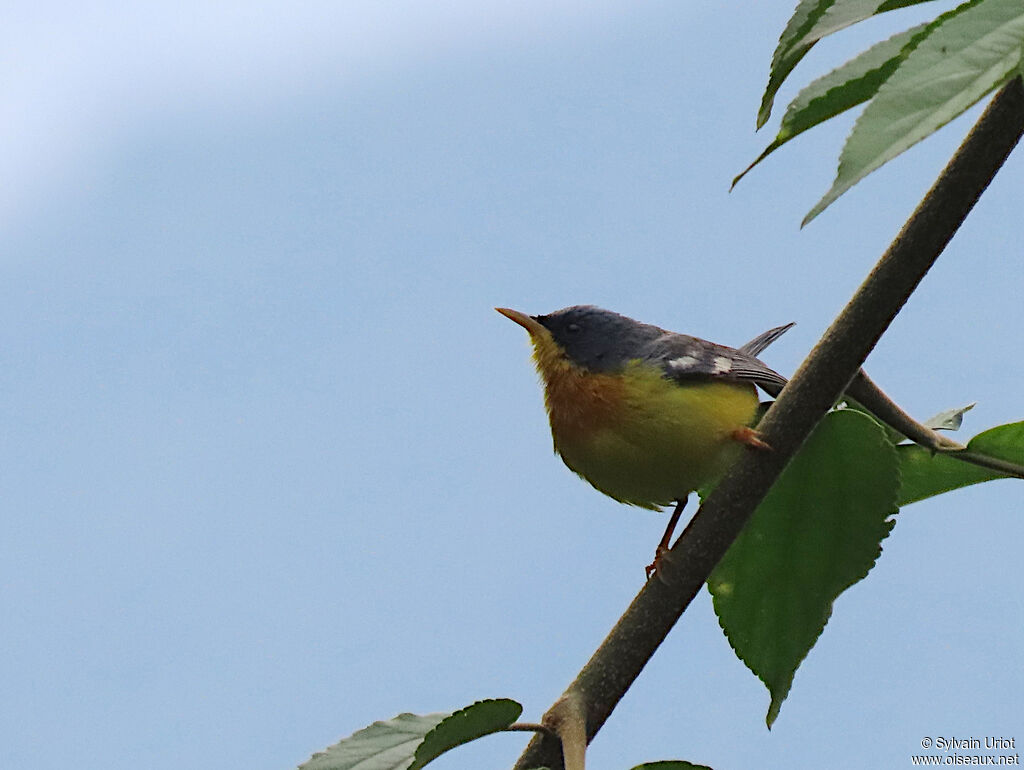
(583, 336)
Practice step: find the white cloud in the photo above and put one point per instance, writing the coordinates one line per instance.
(75, 77)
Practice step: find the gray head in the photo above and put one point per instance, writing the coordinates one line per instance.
(597, 339)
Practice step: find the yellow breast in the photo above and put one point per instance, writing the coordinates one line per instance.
(637, 436)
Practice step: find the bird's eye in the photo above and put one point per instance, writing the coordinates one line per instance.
(572, 328)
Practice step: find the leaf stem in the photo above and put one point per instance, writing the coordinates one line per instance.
(530, 727)
(985, 461)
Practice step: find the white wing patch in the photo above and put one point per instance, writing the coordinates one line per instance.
(684, 362)
(721, 365)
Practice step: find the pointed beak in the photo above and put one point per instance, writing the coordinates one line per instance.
(531, 324)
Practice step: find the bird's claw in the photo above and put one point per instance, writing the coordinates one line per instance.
(750, 437)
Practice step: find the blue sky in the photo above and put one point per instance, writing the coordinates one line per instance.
(274, 469)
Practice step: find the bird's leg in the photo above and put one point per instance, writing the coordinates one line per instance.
(666, 539)
(747, 436)
(750, 437)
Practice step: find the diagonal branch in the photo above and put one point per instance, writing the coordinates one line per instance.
(820, 380)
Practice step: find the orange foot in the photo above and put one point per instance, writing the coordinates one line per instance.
(750, 437)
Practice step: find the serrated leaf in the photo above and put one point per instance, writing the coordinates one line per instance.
(671, 764)
(475, 721)
(968, 52)
(811, 21)
(844, 13)
(841, 89)
(790, 51)
(924, 475)
(951, 419)
(890, 432)
(388, 745)
(817, 532)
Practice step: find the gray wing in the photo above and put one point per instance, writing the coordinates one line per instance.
(684, 359)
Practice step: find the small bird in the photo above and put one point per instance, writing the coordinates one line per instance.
(645, 415)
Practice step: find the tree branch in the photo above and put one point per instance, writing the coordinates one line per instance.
(820, 380)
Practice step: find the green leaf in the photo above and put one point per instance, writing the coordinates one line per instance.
(790, 51)
(968, 52)
(411, 741)
(811, 21)
(482, 718)
(841, 89)
(847, 12)
(671, 764)
(890, 432)
(925, 475)
(388, 745)
(817, 532)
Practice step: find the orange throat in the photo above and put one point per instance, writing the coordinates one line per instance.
(578, 402)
